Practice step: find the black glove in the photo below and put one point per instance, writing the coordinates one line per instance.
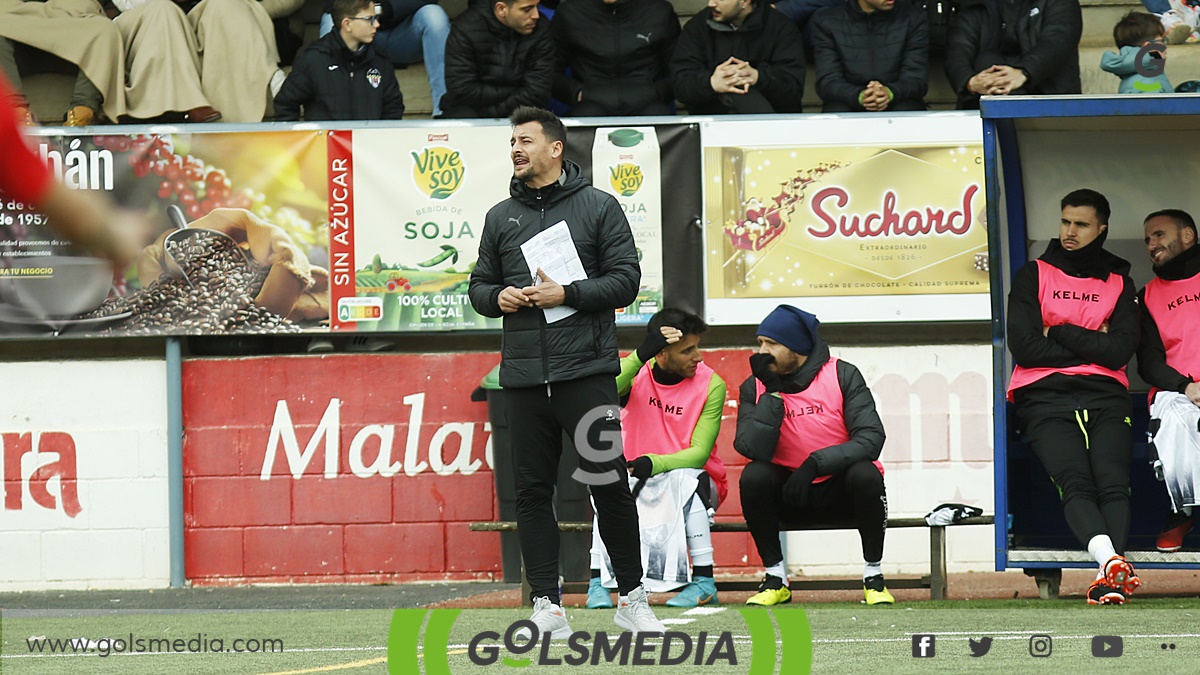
(652, 345)
(641, 467)
(760, 365)
(795, 490)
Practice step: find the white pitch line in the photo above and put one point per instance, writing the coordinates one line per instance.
(677, 622)
(1022, 636)
(187, 653)
(704, 611)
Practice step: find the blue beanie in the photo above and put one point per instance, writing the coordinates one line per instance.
(791, 327)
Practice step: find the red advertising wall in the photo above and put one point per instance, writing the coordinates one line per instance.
(285, 479)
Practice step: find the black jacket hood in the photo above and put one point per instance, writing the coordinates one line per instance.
(1092, 261)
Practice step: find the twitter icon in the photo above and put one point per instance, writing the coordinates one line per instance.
(980, 648)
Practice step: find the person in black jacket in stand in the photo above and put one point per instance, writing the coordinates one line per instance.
(619, 56)
(1072, 328)
(1019, 47)
(499, 57)
(558, 369)
(340, 77)
(739, 57)
(872, 55)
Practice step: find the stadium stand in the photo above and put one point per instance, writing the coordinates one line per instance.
(49, 92)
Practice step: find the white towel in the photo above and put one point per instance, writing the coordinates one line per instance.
(1178, 445)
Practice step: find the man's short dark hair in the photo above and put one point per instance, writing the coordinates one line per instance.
(1182, 218)
(686, 322)
(1086, 197)
(1136, 28)
(345, 9)
(552, 127)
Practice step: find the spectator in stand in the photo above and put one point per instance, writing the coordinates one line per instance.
(86, 218)
(1169, 360)
(219, 55)
(340, 77)
(872, 55)
(618, 53)
(412, 31)
(801, 13)
(1020, 47)
(75, 31)
(1134, 31)
(739, 57)
(499, 57)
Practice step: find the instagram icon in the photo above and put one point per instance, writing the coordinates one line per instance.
(1040, 645)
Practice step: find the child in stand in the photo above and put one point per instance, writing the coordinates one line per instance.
(1132, 33)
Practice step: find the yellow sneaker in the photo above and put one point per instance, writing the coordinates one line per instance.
(771, 592)
(875, 592)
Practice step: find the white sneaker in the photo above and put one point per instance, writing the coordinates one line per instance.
(548, 617)
(634, 613)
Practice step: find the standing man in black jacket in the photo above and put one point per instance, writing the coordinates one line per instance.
(1169, 360)
(340, 77)
(1020, 47)
(559, 372)
(499, 57)
(1072, 328)
(808, 424)
(742, 56)
(619, 56)
(872, 55)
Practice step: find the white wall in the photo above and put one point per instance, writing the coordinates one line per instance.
(114, 415)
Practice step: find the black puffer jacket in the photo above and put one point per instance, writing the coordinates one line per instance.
(1069, 345)
(766, 40)
(585, 343)
(853, 48)
(759, 422)
(1040, 37)
(333, 83)
(619, 54)
(492, 68)
(1151, 353)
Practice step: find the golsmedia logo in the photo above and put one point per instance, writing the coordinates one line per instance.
(438, 171)
(408, 648)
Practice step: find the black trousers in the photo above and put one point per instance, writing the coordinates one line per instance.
(1087, 454)
(854, 496)
(589, 411)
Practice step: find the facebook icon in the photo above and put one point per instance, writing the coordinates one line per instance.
(923, 646)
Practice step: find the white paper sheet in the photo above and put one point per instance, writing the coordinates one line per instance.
(554, 252)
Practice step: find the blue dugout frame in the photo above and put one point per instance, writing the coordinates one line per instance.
(1002, 117)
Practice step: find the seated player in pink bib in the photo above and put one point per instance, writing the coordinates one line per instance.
(1072, 328)
(807, 422)
(672, 414)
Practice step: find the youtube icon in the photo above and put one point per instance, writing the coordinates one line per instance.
(1107, 646)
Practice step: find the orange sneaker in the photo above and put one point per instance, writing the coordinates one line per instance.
(1100, 593)
(1119, 575)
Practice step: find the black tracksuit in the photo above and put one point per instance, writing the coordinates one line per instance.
(619, 56)
(333, 83)
(491, 69)
(852, 48)
(1078, 425)
(559, 377)
(1040, 37)
(766, 40)
(855, 490)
